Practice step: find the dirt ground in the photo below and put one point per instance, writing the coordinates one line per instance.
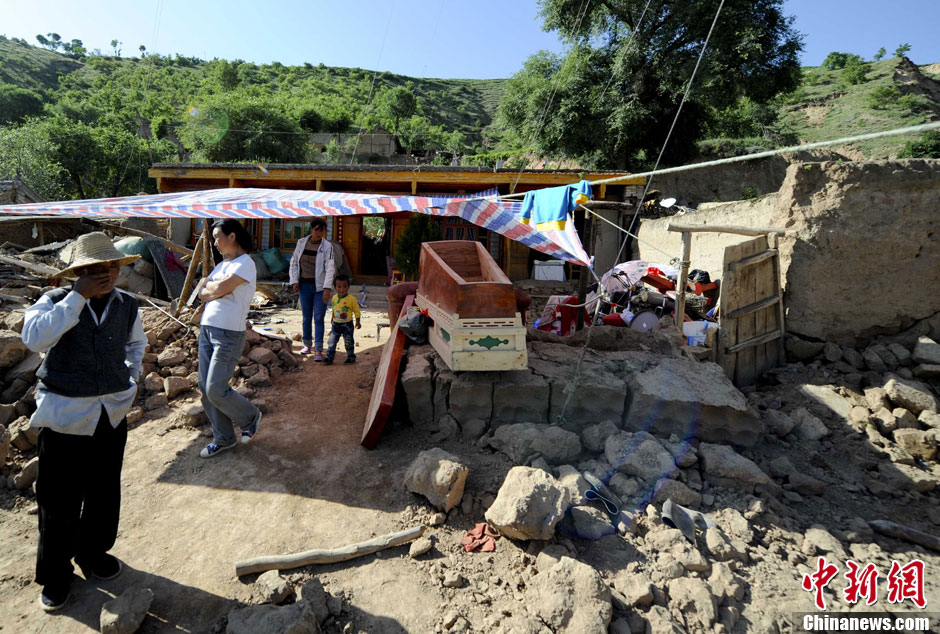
(304, 482)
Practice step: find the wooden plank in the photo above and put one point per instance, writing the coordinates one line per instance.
(747, 324)
(753, 308)
(738, 289)
(683, 279)
(765, 356)
(753, 259)
(39, 269)
(126, 231)
(754, 341)
(187, 284)
(772, 240)
(386, 380)
(744, 231)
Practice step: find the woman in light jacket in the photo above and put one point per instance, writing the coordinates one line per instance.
(311, 272)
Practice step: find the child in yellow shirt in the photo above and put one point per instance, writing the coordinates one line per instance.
(345, 308)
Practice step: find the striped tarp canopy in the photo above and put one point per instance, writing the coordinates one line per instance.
(483, 209)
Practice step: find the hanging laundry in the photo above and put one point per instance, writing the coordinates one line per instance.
(549, 208)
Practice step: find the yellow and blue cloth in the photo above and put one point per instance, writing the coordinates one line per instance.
(549, 208)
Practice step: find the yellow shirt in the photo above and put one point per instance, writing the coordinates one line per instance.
(344, 308)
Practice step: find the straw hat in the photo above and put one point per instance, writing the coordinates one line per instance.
(94, 248)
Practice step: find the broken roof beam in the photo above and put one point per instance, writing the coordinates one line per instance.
(39, 269)
(136, 232)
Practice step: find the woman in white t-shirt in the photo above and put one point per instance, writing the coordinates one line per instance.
(227, 294)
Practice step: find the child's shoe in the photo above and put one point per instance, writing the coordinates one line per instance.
(213, 449)
(305, 350)
(350, 360)
(249, 432)
(318, 356)
(327, 360)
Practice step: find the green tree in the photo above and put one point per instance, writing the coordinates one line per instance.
(558, 102)
(836, 60)
(45, 43)
(239, 127)
(55, 41)
(855, 71)
(311, 121)
(928, 146)
(902, 50)
(883, 96)
(399, 103)
(28, 154)
(17, 103)
(116, 45)
(880, 54)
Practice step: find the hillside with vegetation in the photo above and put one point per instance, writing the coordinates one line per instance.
(80, 124)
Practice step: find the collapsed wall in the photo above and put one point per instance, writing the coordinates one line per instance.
(862, 251)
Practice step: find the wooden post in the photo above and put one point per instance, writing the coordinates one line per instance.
(683, 278)
(206, 248)
(190, 273)
(583, 275)
(774, 243)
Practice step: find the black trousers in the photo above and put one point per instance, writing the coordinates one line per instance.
(79, 495)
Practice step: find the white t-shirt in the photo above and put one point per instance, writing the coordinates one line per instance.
(230, 311)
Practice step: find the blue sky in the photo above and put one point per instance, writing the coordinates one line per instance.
(423, 38)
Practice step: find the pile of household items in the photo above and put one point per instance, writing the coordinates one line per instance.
(637, 295)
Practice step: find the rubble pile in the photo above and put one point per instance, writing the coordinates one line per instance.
(784, 472)
(169, 379)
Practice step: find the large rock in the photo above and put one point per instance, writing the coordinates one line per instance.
(571, 597)
(171, 356)
(25, 369)
(724, 467)
(24, 436)
(591, 523)
(27, 474)
(273, 588)
(683, 397)
(595, 437)
(692, 597)
(825, 402)
(124, 614)
(522, 440)
(778, 422)
(666, 489)
(919, 444)
(312, 592)
(12, 348)
(528, 505)
(438, 476)
(297, 618)
(175, 385)
(261, 356)
(520, 396)
(808, 427)
(926, 351)
(911, 395)
(639, 454)
(7, 413)
(417, 381)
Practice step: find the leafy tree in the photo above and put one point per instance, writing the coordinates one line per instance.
(836, 60)
(880, 54)
(28, 154)
(928, 146)
(311, 121)
(45, 43)
(75, 49)
(17, 103)
(55, 41)
(333, 152)
(400, 103)
(559, 102)
(421, 228)
(116, 45)
(902, 50)
(238, 127)
(855, 71)
(744, 119)
(883, 96)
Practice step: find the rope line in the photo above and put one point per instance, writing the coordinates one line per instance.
(632, 235)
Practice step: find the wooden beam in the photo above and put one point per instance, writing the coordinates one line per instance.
(135, 232)
(752, 259)
(683, 278)
(753, 308)
(39, 269)
(754, 341)
(744, 231)
(188, 283)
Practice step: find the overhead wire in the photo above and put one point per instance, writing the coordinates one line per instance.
(375, 74)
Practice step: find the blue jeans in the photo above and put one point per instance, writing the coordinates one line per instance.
(344, 330)
(219, 350)
(312, 307)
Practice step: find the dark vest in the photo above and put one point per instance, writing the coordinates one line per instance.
(89, 360)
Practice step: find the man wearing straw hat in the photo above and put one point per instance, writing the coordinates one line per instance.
(94, 344)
